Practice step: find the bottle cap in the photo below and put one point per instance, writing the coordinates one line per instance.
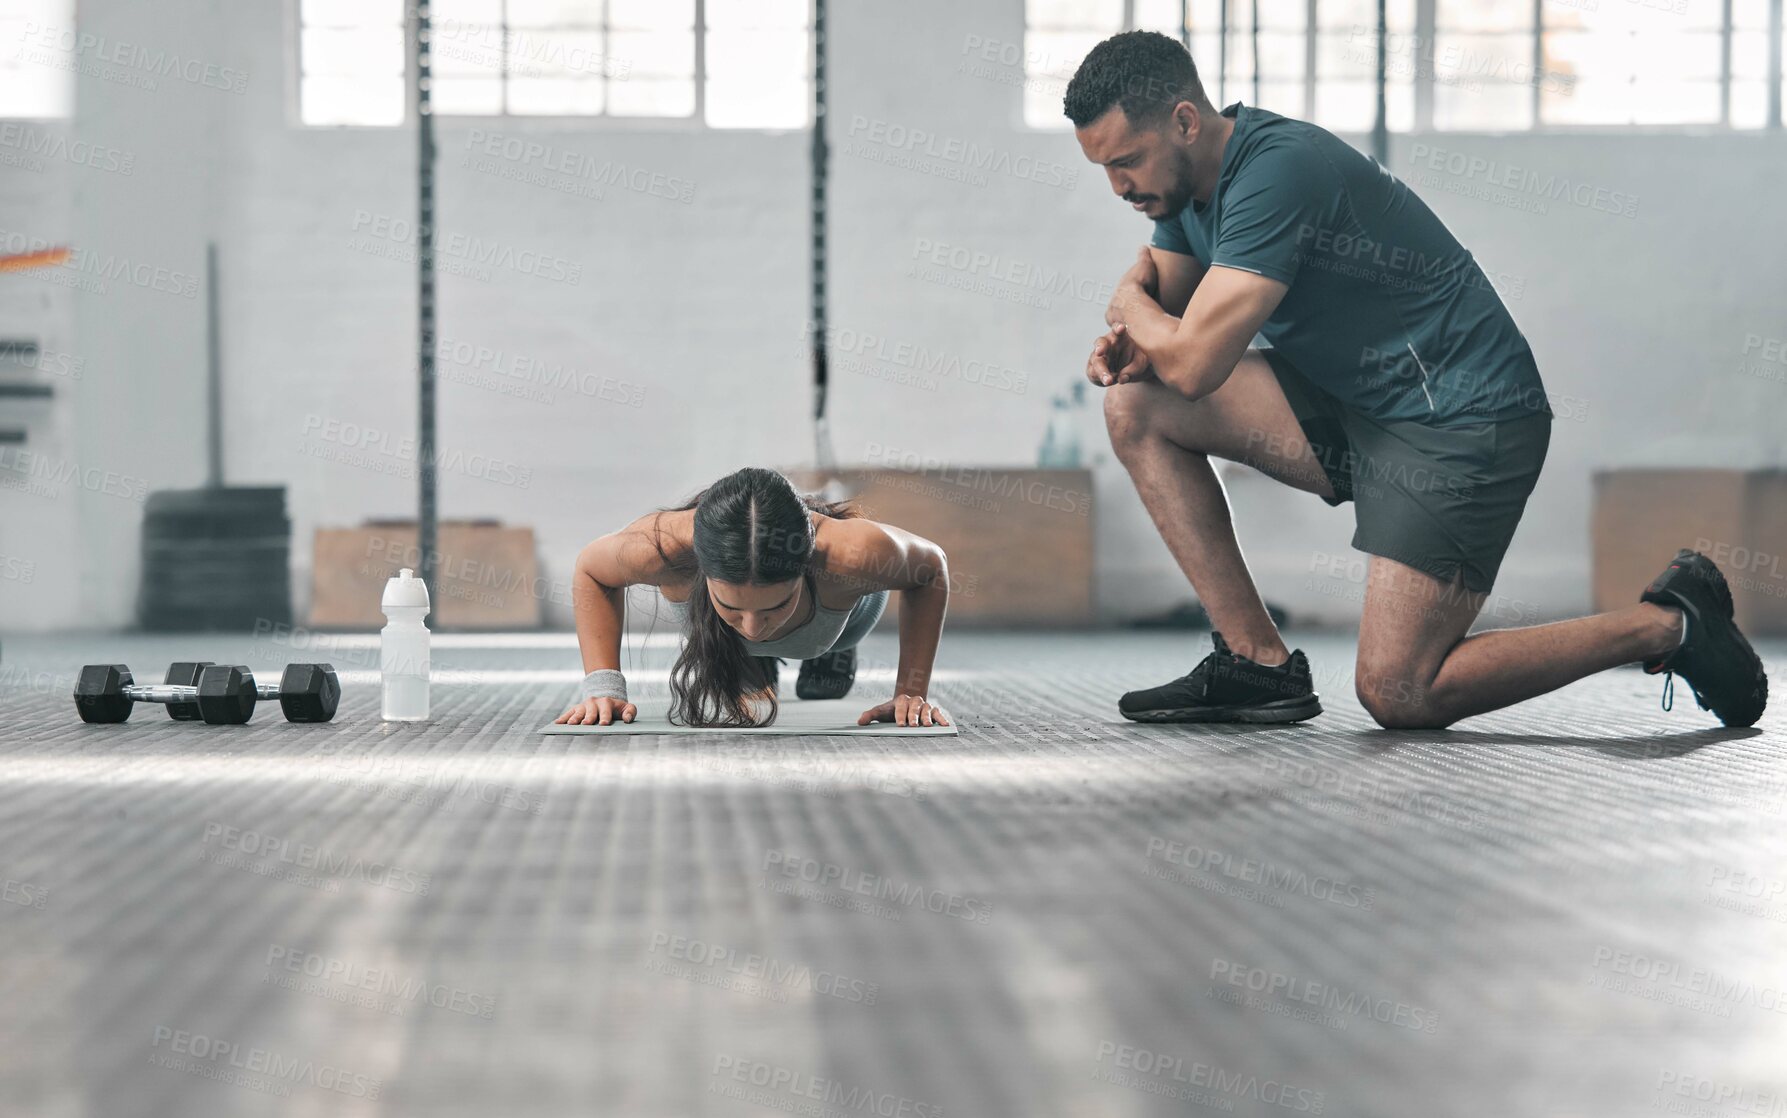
(405, 591)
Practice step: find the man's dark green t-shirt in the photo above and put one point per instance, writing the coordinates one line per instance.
(1386, 311)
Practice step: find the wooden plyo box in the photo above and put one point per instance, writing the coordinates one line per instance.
(1737, 518)
(1019, 541)
(488, 575)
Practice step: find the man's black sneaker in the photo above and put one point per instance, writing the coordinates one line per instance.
(828, 676)
(1725, 673)
(1229, 688)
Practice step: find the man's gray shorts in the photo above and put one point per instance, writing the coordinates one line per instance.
(1439, 499)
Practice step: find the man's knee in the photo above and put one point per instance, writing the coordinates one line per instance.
(1126, 414)
(1395, 699)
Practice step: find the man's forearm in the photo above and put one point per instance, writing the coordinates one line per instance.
(1148, 325)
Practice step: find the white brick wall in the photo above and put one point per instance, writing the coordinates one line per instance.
(703, 305)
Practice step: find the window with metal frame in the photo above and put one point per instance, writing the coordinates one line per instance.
(723, 63)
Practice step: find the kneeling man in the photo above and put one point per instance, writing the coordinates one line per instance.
(1395, 379)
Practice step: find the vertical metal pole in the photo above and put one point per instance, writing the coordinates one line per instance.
(701, 60)
(213, 376)
(822, 452)
(1380, 129)
(1422, 53)
(1311, 63)
(1254, 41)
(1773, 96)
(1222, 55)
(426, 528)
(1725, 65)
(1538, 62)
(1185, 23)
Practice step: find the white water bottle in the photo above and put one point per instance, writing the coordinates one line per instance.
(403, 648)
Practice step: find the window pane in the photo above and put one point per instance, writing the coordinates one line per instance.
(1206, 15)
(758, 104)
(36, 72)
(359, 100)
(770, 57)
(467, 96)
(1749, 104)
(1674, 54)
(1158, 15)
(350, 13)
(1492, 106)
(647, 15)
(31, 92)
(1240, 58)
(1639, 60)
(1203, 56)
(1354, 58)
(1075, 13)
(1042, 107)
(465, 48)
(1283, 98)
(363, 52)
(555, 96)
(759, 13)
(1749, 54)
(1282, 15)
(549, 53)
(1351, 106)
(1487, 15)
(1468, 61)
(1683, 102)
(652, 97)
(555, 13)
(653, 54)
(555, 54)
(1749, 13)
(1281, 56)
(1345, 106)
(1057, 54)
(1590, 102)
(1630, 15)
(489, 13)
(1342, 14)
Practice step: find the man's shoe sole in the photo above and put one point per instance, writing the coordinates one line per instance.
(1283, 710)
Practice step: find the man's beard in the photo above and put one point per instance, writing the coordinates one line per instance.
(1174, 200)
(1178, 196)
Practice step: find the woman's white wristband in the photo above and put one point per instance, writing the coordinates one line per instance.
(605, 683)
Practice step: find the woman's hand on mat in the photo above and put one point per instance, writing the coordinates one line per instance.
(1116, 359)
(598, 712)
(905, 710)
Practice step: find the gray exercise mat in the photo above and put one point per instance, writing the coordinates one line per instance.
(819, 717)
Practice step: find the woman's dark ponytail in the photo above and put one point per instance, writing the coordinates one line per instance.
(751, 528)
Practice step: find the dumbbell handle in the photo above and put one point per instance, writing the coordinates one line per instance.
(175, 693)
(162, 693)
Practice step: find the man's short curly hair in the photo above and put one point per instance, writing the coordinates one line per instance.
(1145, 72)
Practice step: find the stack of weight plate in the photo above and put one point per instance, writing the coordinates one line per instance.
(216, 559)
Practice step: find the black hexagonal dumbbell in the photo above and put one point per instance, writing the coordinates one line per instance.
(221, 694)
(306, 692)
(106, 693)
(185, 674)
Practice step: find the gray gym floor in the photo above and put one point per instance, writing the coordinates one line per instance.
(1575, 907)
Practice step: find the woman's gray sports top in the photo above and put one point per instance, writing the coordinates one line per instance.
(815, 638)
